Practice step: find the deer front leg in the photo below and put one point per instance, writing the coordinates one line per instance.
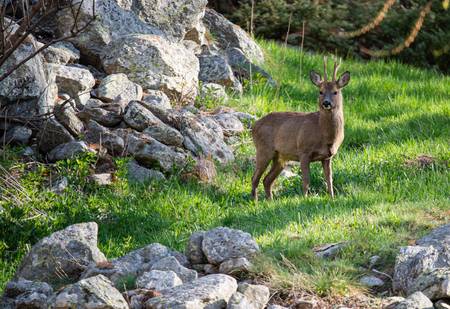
(326, 164)
(304, 165)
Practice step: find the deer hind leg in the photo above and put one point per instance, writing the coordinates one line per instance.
(275, 170)
(304, 165)
(263, 159)
(326, 164)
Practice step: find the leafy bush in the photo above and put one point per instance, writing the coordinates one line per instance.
(271, 19)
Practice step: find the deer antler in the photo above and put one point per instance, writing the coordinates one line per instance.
(336, 68)
(325, 68)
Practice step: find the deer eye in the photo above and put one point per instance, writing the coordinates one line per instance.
(335, 93)
(321, 92)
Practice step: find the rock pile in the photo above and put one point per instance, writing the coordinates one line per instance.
(143, 66)
(67, 270)
(423, 271)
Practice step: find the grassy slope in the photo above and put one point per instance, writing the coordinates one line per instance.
(393, 112)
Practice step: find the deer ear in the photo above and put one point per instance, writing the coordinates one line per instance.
(315, 78)
(344, 79)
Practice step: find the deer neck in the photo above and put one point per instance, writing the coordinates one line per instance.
(331, 125)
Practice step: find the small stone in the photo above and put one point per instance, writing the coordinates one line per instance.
(171, 263)
(415, 301)
(158, 280)
(117, 87)
(61, 53)
(276, 307)
(60, 185)
(329, 250)
(52, 134)
(249, 296)
(442, 304)
(156, 98)
(371, 281)
(210, 269)
(236, 265)
(306, 304)
(101, 179)
(373, 261)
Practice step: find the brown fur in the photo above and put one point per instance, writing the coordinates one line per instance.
(303, 137)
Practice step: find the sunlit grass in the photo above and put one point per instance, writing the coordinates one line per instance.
(394, 113)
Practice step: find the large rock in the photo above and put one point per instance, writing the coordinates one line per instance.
(194, 250)
(109, 114)
(158, 280)
(155, 154)
(434, 284)
(62, 256)
(222, 243)
(212, 292)
(154, 63)
(214, 68)
(61, 53)
(249, 296)
(93, 293)
(52, 134)
(17, 135)
(230, 123)
(204, 137)
(171, 263)
(140, 174)
(229, 35)
(67, 151)
(29, 80)
(66, 115)
(431, 252)
(117, 87)
(156, 98)
(73, 80)
(23, 293)
(140, 118)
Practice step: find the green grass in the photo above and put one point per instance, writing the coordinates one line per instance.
(393, 113)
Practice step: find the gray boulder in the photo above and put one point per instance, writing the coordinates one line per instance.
(249, 296)
(212, 292)
(434, 284)
(439, 238)
(140, 174)
(62, 256)
(194, 250)
(165, 134)
(23, 293)
(138, 117)
(410, 263)
(154, 63)
(73, 80)
(52, 134)
(229, 35)
(371, 281)
(29, 80)
(117, 87)
(93, 293)
(156, 98)
(66, 115)
(102, 179)
(17, 135)
(414, 301)
(214, 68)
(61, 53)
(133, 140)
(171, 263)
(230, 123)
(109, 114)
(155, 154)
(204, 137)
(222, 243)
(158, 280)
(442, 304)
(235, 266)
(67, 151)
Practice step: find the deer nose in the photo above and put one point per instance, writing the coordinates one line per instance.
(326, 104)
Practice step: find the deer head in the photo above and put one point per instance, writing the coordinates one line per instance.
(330, 97)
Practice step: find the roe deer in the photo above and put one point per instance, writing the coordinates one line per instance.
(304, 137)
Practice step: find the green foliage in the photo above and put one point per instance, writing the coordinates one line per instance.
(394, 113)
(271, 20)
